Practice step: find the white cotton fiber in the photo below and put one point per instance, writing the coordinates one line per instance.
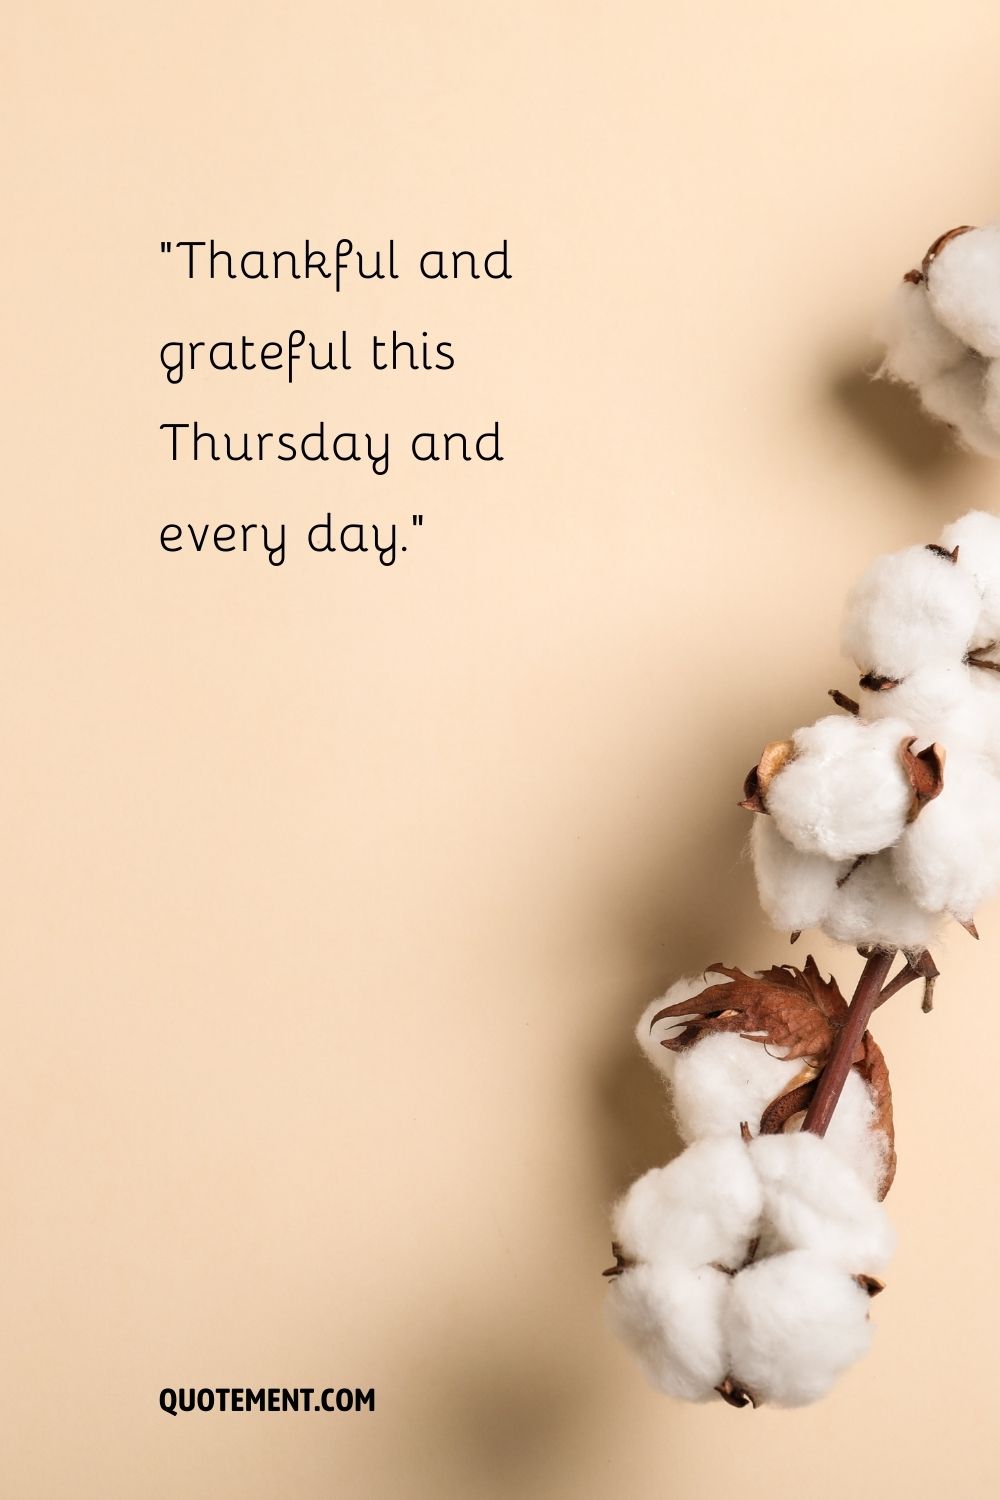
(872, 908)
(991, 716)
(948, 860)
(672, 1320)
(745, 1261)
(963, 288)
(795, 889)
(942, 336)
(795, 1322)
(701, 1208)
(959, 397)
(851, 1134)
(814, 1201)
(917, 346)
(726, 1079)
(650, 1037)
(844, 792)
(977, 537)
(908, 609)
(940, 701)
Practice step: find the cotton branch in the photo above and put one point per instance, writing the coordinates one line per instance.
(841, 1059)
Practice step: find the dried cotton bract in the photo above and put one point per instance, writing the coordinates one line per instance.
(942, 334)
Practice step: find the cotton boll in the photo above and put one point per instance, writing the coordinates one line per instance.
(814, 1201)
(650, 1037)
(672, 1320)
(795, 1322)
(917, 346)
(963, 288)
(795, 889)
(959, 398)
(872, 908)
(908, 609)
(844, 792)
(853, 1136)
(977, 537)
(726, 1079)
(948, 860)
(942, 700)
(704, 1206)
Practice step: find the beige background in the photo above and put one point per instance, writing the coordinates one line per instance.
(334, 891)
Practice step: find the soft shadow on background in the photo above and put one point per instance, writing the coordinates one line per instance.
(889, 416)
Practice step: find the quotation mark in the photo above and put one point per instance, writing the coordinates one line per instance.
(165, 247)
(415, 521)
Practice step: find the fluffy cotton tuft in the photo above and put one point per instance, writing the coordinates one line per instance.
(795, 1322)
(909, 609)
(873, 910)
(748, 1265)
(854, 1136)
(944, 700)
(703, 1207)
(963, 289)
(959, 398)
(917, 346)
(942, 336)
(814, 1201)
(726, 1079)
(844, 793)
(672, 1319)
(949, 858)
(977, 537)
(796, 890)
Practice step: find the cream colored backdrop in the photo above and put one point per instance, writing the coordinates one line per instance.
(333, 890)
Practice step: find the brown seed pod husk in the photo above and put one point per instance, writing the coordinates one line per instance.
(925, 773)
(774, 757)
(939, 244)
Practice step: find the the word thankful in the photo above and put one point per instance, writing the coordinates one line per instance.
(207, 260)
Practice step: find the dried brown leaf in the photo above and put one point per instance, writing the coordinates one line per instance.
(796, 1011)
(874, 1071)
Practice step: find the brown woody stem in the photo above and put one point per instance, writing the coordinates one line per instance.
(841, 1059)
(920, 966)
(849, 705)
